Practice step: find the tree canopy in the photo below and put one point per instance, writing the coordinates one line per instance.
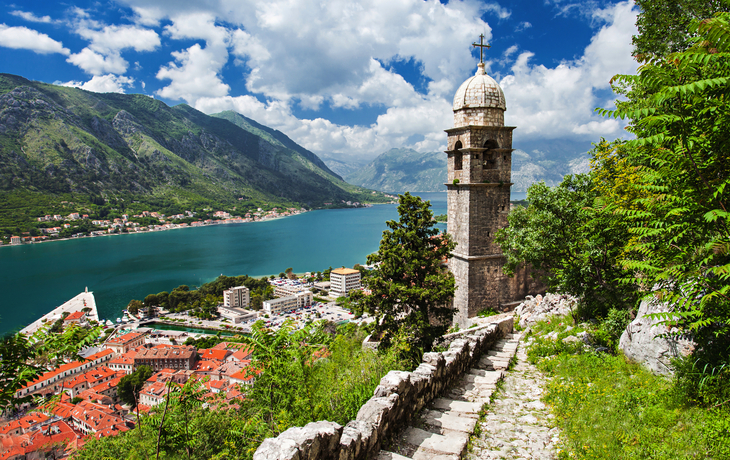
(411, 291)
(573, 244)
(679, 111)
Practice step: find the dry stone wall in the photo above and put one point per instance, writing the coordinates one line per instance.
(399, 396)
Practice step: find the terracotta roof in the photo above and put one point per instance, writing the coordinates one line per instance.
(126, 338)
(75, 315)
(212, 353)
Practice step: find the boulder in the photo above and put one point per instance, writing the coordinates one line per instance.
(641, 341)
(539, 308)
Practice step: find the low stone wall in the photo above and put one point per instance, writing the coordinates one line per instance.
(399, 396)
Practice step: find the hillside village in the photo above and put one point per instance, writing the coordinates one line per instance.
(87, 404)
(80, 399)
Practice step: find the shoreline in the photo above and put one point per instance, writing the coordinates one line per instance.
(53, 240)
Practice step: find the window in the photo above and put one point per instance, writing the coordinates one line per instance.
(457, 156)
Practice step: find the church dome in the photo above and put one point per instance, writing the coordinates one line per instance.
(479, 91)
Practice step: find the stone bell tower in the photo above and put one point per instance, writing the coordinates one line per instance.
(479, 181)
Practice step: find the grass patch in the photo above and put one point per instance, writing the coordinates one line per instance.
(609, 408)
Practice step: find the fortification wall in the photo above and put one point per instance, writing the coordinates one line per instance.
(399, 396)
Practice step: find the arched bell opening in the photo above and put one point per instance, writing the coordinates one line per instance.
(457, 156)
(490, 157)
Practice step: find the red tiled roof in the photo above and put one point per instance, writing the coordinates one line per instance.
(212, 353)
(126, 338)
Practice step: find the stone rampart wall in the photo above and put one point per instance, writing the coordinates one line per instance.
(399, 396)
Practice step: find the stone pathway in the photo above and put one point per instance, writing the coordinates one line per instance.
(515, 425)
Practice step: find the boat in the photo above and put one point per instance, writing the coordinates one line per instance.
(119, 320)
(109, 323)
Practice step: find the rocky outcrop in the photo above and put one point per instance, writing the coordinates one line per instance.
(643, 340)
(540, 308)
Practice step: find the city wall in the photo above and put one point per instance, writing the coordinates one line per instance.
(399, 396)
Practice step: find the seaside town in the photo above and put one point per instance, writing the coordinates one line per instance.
(80, 399)
(77, 225)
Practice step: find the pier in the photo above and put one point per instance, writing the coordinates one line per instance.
(78, 303)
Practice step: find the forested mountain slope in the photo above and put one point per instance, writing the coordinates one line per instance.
(59, 140)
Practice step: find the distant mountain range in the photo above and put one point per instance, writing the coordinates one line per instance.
(56, 140)
(400, 170)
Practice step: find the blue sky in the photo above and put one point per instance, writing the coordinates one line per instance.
(344, 78)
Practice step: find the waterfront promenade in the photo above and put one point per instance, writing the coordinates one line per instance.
(78, 303)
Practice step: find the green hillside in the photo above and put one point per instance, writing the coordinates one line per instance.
(400, 170)
(59, 142)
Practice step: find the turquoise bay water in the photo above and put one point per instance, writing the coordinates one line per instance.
(38, 277)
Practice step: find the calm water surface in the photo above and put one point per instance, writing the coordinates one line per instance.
(38, 277)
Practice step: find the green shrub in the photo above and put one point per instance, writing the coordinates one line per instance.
(487, 312)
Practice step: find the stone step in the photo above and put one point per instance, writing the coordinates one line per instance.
(487, 377)
(461, 407)
(426, 455)
(501, 354)
(491, 362)
(454, 443)
(385, 455)
(485, 373)
(443, 421)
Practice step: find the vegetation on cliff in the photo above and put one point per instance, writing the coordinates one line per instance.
(66, 144)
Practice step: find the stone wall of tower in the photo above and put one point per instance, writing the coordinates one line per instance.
(479, 117)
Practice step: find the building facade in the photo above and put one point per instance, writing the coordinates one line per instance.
(288, 303)
(478, 199)
(166, 357)
(237, 315)
(237, 297)
(344, 280)
(122, 344)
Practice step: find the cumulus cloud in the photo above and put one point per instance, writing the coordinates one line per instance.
(96, 64)
(103, 55)
(302, 54)
(102, 84)
(30, 17)
(558, 102)
(28, 39)
(196, 70)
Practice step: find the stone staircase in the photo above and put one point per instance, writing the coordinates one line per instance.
(441, 431)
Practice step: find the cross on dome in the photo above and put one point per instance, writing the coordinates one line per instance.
(481, 46)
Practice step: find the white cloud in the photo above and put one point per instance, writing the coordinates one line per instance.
(30, 17)
(500, 12)
(116, 38)
(522, 26)
(103, 84)
(97, 64)
(28, 39)
(196, 70)
(103, 55)
(300, 53)
(558, 102)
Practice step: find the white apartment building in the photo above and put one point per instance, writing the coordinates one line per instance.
(288, 303)
(237, 297)
(288, 289)
(344, 280)
(237, 315)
